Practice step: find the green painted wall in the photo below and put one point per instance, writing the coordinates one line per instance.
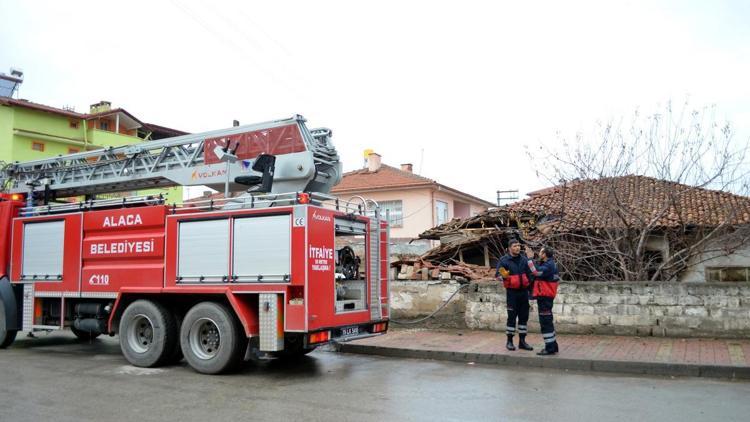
(58, 137)
(6, 133)
(47, 123)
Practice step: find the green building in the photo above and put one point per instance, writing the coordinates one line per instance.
(31, 131)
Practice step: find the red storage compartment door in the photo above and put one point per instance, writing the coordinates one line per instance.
(123, 248)
(47, 251)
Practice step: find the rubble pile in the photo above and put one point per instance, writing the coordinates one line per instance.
(420, 269)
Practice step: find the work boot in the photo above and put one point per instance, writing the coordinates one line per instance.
(523, 345)
(546, 352)
(509, 345)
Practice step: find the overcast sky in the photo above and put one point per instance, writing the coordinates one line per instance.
(456, 88)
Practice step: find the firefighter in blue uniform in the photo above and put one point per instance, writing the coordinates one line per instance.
(546, 281)
(514, 272)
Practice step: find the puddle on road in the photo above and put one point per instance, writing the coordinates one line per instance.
(134, 370)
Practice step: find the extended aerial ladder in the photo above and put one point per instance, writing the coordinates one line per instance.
(298, 159)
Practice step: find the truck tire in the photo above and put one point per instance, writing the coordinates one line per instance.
(83, 335)
(6, 336)
(148, 334)
(211, 338)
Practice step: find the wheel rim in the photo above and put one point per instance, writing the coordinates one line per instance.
(140, 334)
(205, 338)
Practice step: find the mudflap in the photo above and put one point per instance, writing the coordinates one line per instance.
(10, 298)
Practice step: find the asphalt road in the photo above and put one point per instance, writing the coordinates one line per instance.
(57, 378)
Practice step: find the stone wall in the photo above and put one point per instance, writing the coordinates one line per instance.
(646, 309)
(638, 308)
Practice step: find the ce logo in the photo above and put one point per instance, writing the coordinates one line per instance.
(298, 222)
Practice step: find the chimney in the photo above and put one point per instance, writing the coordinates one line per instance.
(373, 162)
(406, 167)
(100, 107)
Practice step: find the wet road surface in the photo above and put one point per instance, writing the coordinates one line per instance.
(55, 377)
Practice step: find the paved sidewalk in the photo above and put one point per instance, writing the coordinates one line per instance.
(719, 358)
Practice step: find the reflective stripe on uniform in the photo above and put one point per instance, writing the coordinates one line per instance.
(550, 340)
(510, 330)
(548, 335)
(522, 329)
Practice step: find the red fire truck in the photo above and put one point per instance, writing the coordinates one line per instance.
(272, 269)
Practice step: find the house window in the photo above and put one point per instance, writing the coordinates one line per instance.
(727, 273)
(441, 212)
(395, 212)
(104, 125)
(73, 124)
(73, 150)
(37, 146)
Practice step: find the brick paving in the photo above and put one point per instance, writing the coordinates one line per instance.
(725, 358)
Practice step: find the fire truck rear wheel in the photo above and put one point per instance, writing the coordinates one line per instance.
(148, 334)
(211, 338)
(6, 336)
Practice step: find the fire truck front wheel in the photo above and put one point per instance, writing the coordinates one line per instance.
(148, 334)
(211, 338)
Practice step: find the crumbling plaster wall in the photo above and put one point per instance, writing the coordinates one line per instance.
(696, 271)
(414, 300)
(636, 308)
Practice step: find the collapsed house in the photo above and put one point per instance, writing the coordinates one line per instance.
(469, 248)
(619, 228)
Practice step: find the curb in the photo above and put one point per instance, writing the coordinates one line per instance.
(611, 366)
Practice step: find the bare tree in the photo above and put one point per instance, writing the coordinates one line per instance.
(646, 197)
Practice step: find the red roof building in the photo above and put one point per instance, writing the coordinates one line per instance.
(414, 203)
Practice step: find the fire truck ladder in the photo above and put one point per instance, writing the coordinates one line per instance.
(305, 160)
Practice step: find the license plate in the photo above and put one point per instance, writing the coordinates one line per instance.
(349, 331)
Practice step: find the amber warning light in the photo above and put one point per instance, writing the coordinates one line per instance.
(11, 196)
(303, 198)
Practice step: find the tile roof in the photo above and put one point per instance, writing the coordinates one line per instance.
(633, 201)
(163, 129)
(112, 112)
(385, 177)
(40, 107)
(587, 204)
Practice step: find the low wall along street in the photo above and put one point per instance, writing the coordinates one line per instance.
(633, 308)
(411, 300)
